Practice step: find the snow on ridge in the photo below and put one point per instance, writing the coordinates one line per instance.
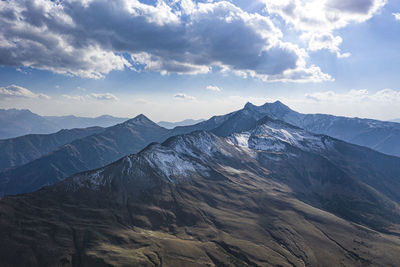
(274, 137)
(172, 165)
(201, 141)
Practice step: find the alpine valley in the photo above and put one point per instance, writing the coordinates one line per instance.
(261, 186)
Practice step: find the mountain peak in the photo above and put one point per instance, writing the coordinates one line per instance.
(140, 120)
(249, 105)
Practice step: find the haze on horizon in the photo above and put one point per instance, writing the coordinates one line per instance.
(179, 59)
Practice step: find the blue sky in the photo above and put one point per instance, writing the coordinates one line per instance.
(178, 59)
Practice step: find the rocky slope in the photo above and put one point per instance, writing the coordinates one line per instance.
(272, 195)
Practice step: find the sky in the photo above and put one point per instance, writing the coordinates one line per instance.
(178, 59)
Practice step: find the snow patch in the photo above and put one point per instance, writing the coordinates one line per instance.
(171, 165)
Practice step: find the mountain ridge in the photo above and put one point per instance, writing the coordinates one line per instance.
(201, 199)
(116, 144)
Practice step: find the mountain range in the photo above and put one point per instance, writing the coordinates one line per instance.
(15, 123)
(102, 148)
(86, 153)
(21, 150)
(271, 195)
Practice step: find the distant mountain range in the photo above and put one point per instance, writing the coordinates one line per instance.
(15, 122)
(171, 125)
(271, 195)
(21, 150)
(106, 146)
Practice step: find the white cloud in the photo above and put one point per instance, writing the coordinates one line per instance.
(316, 20)
(387, 96)
(396, 16)
(74, 97)
(106, 96)
(93, 96)
(383, 104)
(181, 37)
(13, 91)
(213, 88)
(183, 96)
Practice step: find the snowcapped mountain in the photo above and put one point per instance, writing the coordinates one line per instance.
(275, 136)
(272, 195)
(379, 135)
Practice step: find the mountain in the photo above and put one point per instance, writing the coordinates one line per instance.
(396, 120)
(16, 123)
(100, 149)
(171, 125)
(77, 156)
(274, 195)
(21, 150)
(379, 135)
(69, 122)
(82, 154)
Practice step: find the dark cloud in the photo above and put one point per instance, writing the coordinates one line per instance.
(353, 6)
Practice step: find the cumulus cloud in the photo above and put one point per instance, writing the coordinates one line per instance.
(396, 16)
(213, 88)
(183, 96)
(318, 19)
(94, 37)
(15, 91)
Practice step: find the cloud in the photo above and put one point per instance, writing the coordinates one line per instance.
(396, 16)
(213, 88)
(15, 91)
(387, 96)
(93, 96)
(316, 20)
(183, 96)
(94, 37)
(74, 97)
(106, 96)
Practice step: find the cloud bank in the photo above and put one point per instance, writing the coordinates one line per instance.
(94, 37)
